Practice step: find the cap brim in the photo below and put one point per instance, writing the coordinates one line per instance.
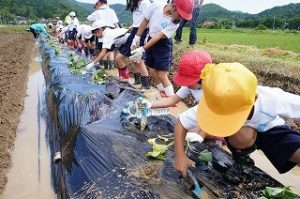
(185, 81)
(92, 29)
(88, 37)
(219, 125)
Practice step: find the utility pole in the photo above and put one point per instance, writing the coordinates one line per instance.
(274, 23)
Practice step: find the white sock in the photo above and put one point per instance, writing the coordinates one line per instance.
(160, 87)
(169, 90)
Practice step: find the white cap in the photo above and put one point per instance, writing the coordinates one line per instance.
(87, 33)
(97, 24)
(72, 14)
(59, 23)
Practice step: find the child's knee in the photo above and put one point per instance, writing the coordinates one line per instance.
(244, 138)
(162, 75)
(296, 157)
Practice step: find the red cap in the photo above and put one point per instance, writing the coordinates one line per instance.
(185, 8)
(190, 67)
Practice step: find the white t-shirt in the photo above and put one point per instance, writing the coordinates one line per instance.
(105, 14)
(84, 31)
(270, 106)
(73, 24)
(158, 22)
(59, 29)
(110, 36)
(138, 14)
(184, 92)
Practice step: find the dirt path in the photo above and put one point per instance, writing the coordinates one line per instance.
(15, 54)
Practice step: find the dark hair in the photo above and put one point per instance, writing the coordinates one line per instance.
(132, 5)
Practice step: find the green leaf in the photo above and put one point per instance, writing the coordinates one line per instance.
(279, 192)
(205, 156)
(158, 150)
(99, 76)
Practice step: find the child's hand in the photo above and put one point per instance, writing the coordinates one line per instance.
(89, 66)
(137, 54)
(135, 42)
(181, 164)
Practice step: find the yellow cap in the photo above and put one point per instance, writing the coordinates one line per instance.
(229, 91)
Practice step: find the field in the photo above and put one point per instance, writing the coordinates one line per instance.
(15, 54)
(13, 28)
(261, 39)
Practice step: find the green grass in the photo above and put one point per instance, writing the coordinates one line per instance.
(13, 28)
(260, 39)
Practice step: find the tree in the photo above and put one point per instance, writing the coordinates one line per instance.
(261, 27)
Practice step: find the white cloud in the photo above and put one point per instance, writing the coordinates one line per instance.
(250, 6)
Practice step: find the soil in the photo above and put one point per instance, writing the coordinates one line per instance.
(15, 54)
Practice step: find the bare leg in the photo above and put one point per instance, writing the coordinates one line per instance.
(120, 61)
(296, 157)
(154, 75)
(244, 138)
(111, 56)
(163, 78)
(141, 68)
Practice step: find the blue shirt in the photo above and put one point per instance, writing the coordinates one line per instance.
(40, 28)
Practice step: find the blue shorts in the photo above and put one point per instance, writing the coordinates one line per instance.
(279, 144)
(98, 45)
(73, 34)
(159, 56)
(125, 48)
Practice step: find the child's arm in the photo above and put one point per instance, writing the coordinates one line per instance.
(182, 162)
(154, 40)
(142, 27)
(137, 38)
(166, 102)
(100, 56)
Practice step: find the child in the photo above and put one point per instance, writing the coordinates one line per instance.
(72, 27)
(188, 74)
(105, 14)
(249, 116)
(37, 29)
(163, 21)
(110, 37)
(86, 40)
(141, 76)
(190, 66)
(108, 16)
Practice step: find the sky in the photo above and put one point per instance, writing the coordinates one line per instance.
(250, 6)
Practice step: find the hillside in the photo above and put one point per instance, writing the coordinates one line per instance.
(35, 9)
(287, 16)
(287, 11)
(218, 12)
